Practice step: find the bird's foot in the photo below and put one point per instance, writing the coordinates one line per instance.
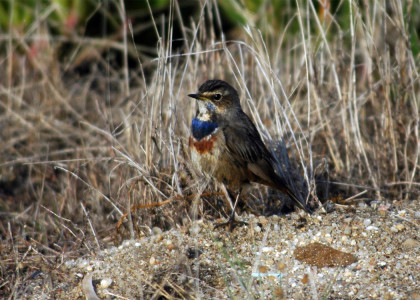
(231, 223)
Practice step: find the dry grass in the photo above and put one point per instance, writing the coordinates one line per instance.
(78, 149)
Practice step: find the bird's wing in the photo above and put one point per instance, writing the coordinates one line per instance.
(244, 143)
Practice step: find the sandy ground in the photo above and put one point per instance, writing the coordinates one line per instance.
(257, 261)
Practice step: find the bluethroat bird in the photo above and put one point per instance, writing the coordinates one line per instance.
(226, 145)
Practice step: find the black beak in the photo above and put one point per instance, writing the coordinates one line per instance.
(195, 96)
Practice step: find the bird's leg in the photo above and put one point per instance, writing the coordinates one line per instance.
(232, 223)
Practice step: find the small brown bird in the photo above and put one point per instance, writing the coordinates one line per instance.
(226, 145)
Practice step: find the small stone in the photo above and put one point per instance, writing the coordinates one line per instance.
(126, 243)
(384, 207)
(329, 239)
(410, 244)
(417, 215)
(218, 244)
(281, 266)
(152, 260)
(415, 296)
(257, 228)
(278, 293)
(367, 222)
(105, 283)
(195, 229)
(305, 279)
(374, 204)
(262, 269)
(158, 238)
(394, 229)
(193, 253)
(267, 249)
(170, 246)
(400, 227)
(372, 228)
(347, 230)
(388, 296)
(82, 264)
(263, 220)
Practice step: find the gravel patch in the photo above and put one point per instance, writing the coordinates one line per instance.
(257, 260)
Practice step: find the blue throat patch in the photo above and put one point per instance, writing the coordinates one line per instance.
(201, 129)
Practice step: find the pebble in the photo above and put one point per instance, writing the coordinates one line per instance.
(267, 249)
(152, 260)
(158, 237)
(400, 227)
(105, 283)
(156, 230)
(415, 296)
(263, 220)
(170, 245)
(281, 266)
(69, 263)
(410, 244)
(374, 204)
(382, 213)
(82, 264)
(262, 269)
(126, 243)
(347, 230)
(362, 205)
(194, 229)
(367, 222)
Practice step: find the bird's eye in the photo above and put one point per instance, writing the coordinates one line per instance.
(217, 97)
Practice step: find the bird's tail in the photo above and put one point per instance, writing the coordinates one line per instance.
(294, 188)
(299, 201)
(287, 181)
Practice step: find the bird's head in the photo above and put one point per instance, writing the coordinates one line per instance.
(216, 97)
